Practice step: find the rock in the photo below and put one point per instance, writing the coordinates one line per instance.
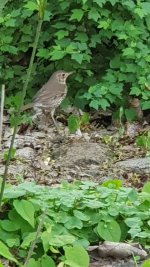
(139, 165)
(83, 154)
(14, 170)
(25, 153)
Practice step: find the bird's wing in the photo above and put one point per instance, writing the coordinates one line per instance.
(48, 92)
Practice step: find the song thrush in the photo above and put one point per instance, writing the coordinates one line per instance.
(50, 96)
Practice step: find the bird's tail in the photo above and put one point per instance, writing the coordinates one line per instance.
(27, 106)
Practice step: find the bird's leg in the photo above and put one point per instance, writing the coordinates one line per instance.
(52, 116)
(37, 114)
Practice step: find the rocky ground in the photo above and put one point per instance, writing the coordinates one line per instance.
(99, 154)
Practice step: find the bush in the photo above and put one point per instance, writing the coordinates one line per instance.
(105, 42)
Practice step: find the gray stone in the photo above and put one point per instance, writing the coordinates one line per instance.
(84, 154)
(139, 165)
(25, 153)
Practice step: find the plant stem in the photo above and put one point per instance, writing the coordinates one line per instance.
(1, 114)
(29, 71)
(35, 240)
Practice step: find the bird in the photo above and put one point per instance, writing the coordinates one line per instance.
(51, 94)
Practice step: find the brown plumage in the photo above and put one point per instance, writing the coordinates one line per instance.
(50, 96)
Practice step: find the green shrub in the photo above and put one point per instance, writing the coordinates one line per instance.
(105, 42)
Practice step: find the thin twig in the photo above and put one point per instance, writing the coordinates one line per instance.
(35, 239)
(2, 112)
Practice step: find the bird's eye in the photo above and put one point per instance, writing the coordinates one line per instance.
(63, 74)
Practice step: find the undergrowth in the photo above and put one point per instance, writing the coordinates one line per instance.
(76, 215)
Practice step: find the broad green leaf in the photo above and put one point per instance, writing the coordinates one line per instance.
(146, 188)
(47, 261)
(80, 215)
(109, 230)
(31, 6)
(77, 14)
(94, 104)
(61, 240)
(93, 14)
(135, 91)
(4, 252)
(74, 222)
(100, 2)
(73, 123)
(104, 103)
(133, 222)
(26, 210)
(85, 118)
(76, 256)
(34, 263)
(28, 239)
(9, 226)
(45, 236)
(130, 114)
(43, 53)
(146, 8)
(128, 52)
(104, 24)
(77, 57)
(146, 263)
(61, 34)
(56, 54)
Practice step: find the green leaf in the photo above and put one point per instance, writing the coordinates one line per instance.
(85, 118)
(74, 222)
(80, 215)
(43, 53)
(4, 252)
(61, 34)
(134, 222)
(146, 263)
(31, 6)
(28, 239)
(73, 123)
(76, 256)
(109, 231)
(128, 51)
(104, 24)
(45, 236)
(100, 2)
(61, 240)
(34, 263)
(146, 188)
(47, 261)
(130, 114)
(77, 57)
(93, 14)
(104, 103)
(26, 210)
(9, 226)
(146, 8)
(145, 105)
(77, 14)
(135, 91)
(56, 54)
(95, 104)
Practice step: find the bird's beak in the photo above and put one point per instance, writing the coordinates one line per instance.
(71, 72)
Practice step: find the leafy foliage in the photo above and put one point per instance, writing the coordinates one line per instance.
(144, 141)
(92, 214)
(75, 122)
(105, 42)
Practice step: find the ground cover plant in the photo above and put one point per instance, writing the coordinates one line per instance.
(93, 213)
